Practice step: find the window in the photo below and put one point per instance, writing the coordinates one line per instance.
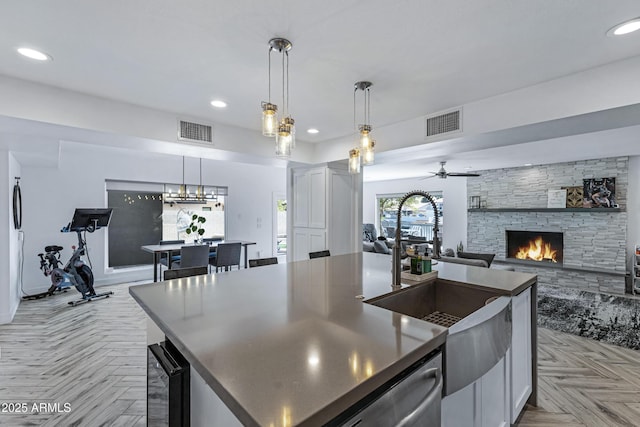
(280, 202)
(176, 217)
(417, 218)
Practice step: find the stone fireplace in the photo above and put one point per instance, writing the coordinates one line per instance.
(535, 246)
(593, 243)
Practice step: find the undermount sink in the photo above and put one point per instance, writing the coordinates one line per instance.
(479, 323)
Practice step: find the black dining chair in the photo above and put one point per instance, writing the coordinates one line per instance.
(227, 255)
(259, 262)
(192, 256)
(319, 254)
(208, 241)
(164, 257)
(178, 273)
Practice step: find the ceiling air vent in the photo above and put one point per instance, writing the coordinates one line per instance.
(194, 132)
(444, 123)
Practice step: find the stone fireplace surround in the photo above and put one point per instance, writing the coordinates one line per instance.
(594, 240)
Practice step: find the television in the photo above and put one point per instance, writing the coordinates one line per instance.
(90, 219)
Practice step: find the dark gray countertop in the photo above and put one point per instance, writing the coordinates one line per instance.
(294, 338)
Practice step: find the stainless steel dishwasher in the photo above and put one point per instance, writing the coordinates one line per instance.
(410, 399)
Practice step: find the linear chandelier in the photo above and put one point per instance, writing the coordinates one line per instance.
(281, 127)
(364, 152)
(188, 193)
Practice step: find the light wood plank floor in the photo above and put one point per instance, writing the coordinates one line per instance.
(94, 357)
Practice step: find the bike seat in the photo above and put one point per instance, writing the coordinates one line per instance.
(53, 248)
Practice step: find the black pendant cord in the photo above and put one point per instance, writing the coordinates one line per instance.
(17, 205)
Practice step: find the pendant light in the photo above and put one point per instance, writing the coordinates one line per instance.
(354, 161)
(283, 127)
(365, 143)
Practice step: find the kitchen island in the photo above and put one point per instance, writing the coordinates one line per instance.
(294, 344)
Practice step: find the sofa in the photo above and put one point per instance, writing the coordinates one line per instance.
(476, 260)
(371, 242)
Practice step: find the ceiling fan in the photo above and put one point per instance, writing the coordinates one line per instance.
(442, 173)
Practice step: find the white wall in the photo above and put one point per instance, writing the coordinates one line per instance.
(609, 86)
(42, 103)
(9, 240)
(454, 192)
(51, 195)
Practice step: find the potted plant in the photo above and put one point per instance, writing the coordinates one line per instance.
(196, 227)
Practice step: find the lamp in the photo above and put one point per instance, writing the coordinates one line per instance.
(365, 143)
(354, 161)
(283, 128)
(369, 153)
(189, 193)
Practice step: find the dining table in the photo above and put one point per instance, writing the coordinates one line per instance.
(157, 250)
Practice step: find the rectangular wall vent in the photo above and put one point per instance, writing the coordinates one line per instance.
(196, 132)
(444, 123)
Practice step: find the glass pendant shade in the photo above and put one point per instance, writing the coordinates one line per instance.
(354, 161)
(365, 137)
(292, 129)
(269, 120)
(369, 154)
(283, 140)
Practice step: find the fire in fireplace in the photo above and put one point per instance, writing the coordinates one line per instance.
(541, 246)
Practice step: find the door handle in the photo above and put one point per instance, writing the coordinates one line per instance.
(435, 391)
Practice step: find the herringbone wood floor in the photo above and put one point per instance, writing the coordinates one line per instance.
(94, 357)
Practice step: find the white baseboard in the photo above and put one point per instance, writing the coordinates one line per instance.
(7, 317)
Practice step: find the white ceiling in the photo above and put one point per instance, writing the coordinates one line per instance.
(423, 56)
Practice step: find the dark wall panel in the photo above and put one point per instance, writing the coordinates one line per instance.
(136, 221)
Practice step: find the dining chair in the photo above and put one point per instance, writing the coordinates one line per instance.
(208, 241)
(192, 256)
(319, 254)
(164, 256)
(227, 255)
(177, 273)
(259, 262)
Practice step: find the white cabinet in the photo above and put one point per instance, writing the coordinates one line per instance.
(307, 240)
(309, 194)
(483, 403)
(325, 210)
(494, 396)
(519, 355)
(317, 198)
(300, 199)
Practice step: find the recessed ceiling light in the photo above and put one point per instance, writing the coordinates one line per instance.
(527, 164)
(33, 54)
(312, 130)
(218, 103)
(625, 28)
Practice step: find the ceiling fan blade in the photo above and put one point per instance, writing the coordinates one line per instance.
(461, 174)
(427, 177)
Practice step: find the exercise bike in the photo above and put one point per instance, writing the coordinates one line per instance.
(49, 261)
(75, 272)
